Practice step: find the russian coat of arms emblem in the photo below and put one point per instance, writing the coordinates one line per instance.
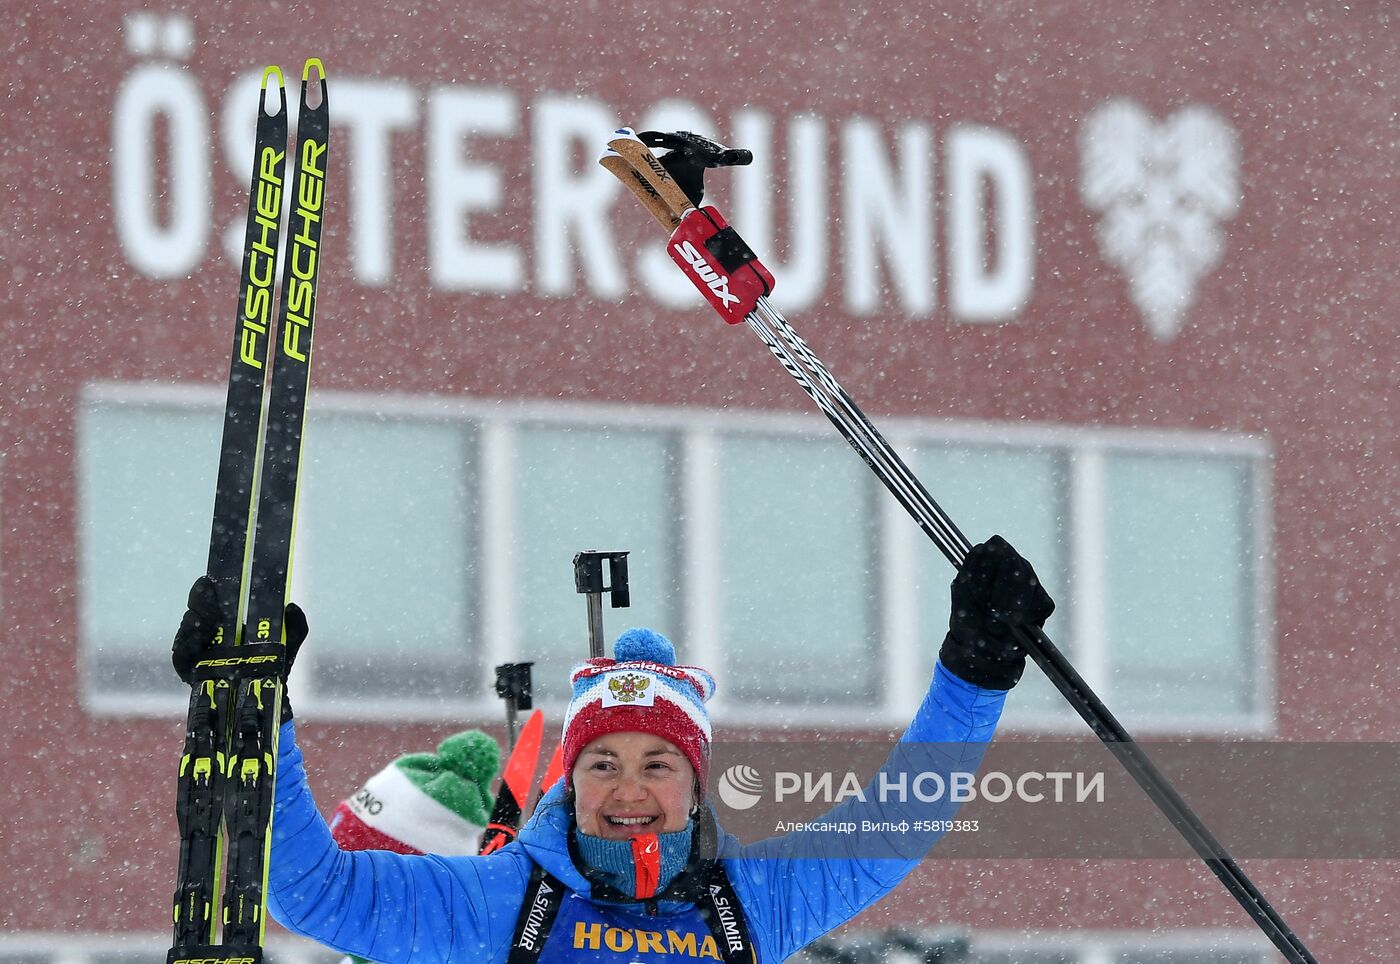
(628, 687)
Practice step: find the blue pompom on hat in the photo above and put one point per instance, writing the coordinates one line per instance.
(642, 645)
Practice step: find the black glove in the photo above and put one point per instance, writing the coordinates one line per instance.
(689, 155)
(995, 590)
(202, 620)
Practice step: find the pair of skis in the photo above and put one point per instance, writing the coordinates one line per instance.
(228, 766)
(728, 274)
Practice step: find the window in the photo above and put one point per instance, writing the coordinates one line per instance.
(435, 540)
(1150, 548)
(135, 948)
(590, 488)
(1188, 957)
(996, 947)
(1220, 946)
(145, 503)
(384, 562)
(797, 592)
(387, 561)
(1020, 493)
(1178, 589)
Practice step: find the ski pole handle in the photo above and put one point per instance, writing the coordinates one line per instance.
(621, 169)
(513, 684)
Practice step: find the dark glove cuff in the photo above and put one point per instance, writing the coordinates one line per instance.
(979, 667)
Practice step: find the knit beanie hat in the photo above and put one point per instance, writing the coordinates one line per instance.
(424, 802)
(640, 690)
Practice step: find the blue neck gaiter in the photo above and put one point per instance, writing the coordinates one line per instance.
(615, 861)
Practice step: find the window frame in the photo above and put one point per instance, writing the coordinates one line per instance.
(1088, 946)
(697, 433)
(1106, 947)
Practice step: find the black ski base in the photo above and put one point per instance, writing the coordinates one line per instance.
(214, 954)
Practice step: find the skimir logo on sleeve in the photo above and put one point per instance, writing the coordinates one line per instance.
(728, 919)
(530, 934)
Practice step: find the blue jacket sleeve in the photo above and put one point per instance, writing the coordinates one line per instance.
(379, 905)
(798, 886)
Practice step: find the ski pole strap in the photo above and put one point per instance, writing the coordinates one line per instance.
(719, 263)
(543, 897)
(726, 918)
(719, 906)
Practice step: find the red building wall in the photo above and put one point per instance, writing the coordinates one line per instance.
(1291, 336)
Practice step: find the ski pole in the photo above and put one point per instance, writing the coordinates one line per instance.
(841, 409)
(588, 579)
(895, 475)
(743, 297)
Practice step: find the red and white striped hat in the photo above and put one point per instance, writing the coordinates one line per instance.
(640, 690)
(436, 803)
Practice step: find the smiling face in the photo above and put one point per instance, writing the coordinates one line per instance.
(627, 784)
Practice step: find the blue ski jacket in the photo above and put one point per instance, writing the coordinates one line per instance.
(792, 888)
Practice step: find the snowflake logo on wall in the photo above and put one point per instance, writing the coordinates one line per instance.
(1164, 190)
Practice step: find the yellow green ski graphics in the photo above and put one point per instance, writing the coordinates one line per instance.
(227, 769)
